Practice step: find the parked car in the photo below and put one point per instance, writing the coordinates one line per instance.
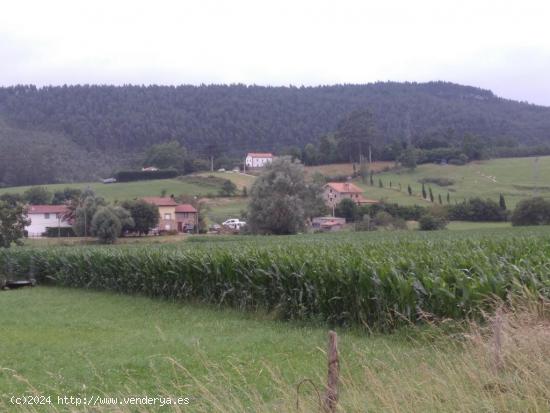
(108, 180)
(234, 223)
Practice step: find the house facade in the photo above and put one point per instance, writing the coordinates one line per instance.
(45, 216)
(258, 160)
(335, 192)
(167, 212)
(173, 216)
(187, 218)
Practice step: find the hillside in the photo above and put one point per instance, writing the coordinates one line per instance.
(515, 178)
(102, 128)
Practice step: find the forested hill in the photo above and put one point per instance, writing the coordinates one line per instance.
(121, 121)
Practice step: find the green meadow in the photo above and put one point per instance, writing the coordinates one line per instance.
(515, 178)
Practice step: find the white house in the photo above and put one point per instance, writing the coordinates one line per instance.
(43, 216)
(258, 160)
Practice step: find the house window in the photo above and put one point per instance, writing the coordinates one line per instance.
(47, 216)
(168, 216)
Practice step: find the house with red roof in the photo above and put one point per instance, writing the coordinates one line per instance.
(45, 216)
(258, 159)
(335, 192)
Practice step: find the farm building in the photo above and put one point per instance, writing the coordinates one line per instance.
(173, 216)
(186, 217)
(45, 216)
(167, 211)
(335, 192)
(258, 160)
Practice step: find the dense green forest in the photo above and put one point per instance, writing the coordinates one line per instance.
(70, 133)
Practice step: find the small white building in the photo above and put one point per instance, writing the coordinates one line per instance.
(44, 216)
(258, 160)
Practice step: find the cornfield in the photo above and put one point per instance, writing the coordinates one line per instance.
(379, 282)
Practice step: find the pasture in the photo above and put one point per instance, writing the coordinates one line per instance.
(122, 191)
(515, 178)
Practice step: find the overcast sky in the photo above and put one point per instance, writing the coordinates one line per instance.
(499, 45)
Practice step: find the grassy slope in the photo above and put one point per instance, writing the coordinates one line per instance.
(514, 179)
(130, 190)
(239, 179)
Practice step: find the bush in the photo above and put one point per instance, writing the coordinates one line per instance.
(460, 160)
(129, 176)
(64, 232)
(405, 212)
(347, 209)
(437, 181)
(534, 211)
(384, 220)
(477, 209)
(432, 222)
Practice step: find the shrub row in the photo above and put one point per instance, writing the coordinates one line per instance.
(128, 176)
(380, 284)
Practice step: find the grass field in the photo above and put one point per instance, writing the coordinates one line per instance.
(64, 342)
(239, 179)
(345, 168)
(515, 178)
(130, 190)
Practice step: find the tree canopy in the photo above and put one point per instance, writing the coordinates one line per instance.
(13, 220)
(77, 133)
(278, 199)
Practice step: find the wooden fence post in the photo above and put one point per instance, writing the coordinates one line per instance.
(497, 341)
(331, 395)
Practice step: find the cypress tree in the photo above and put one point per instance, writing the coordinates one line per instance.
(440, 200)
(448, 198)
(372, 178)
(502, 202)
(431, 194)
(424, 195)
(380, 184)
(409, 190)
